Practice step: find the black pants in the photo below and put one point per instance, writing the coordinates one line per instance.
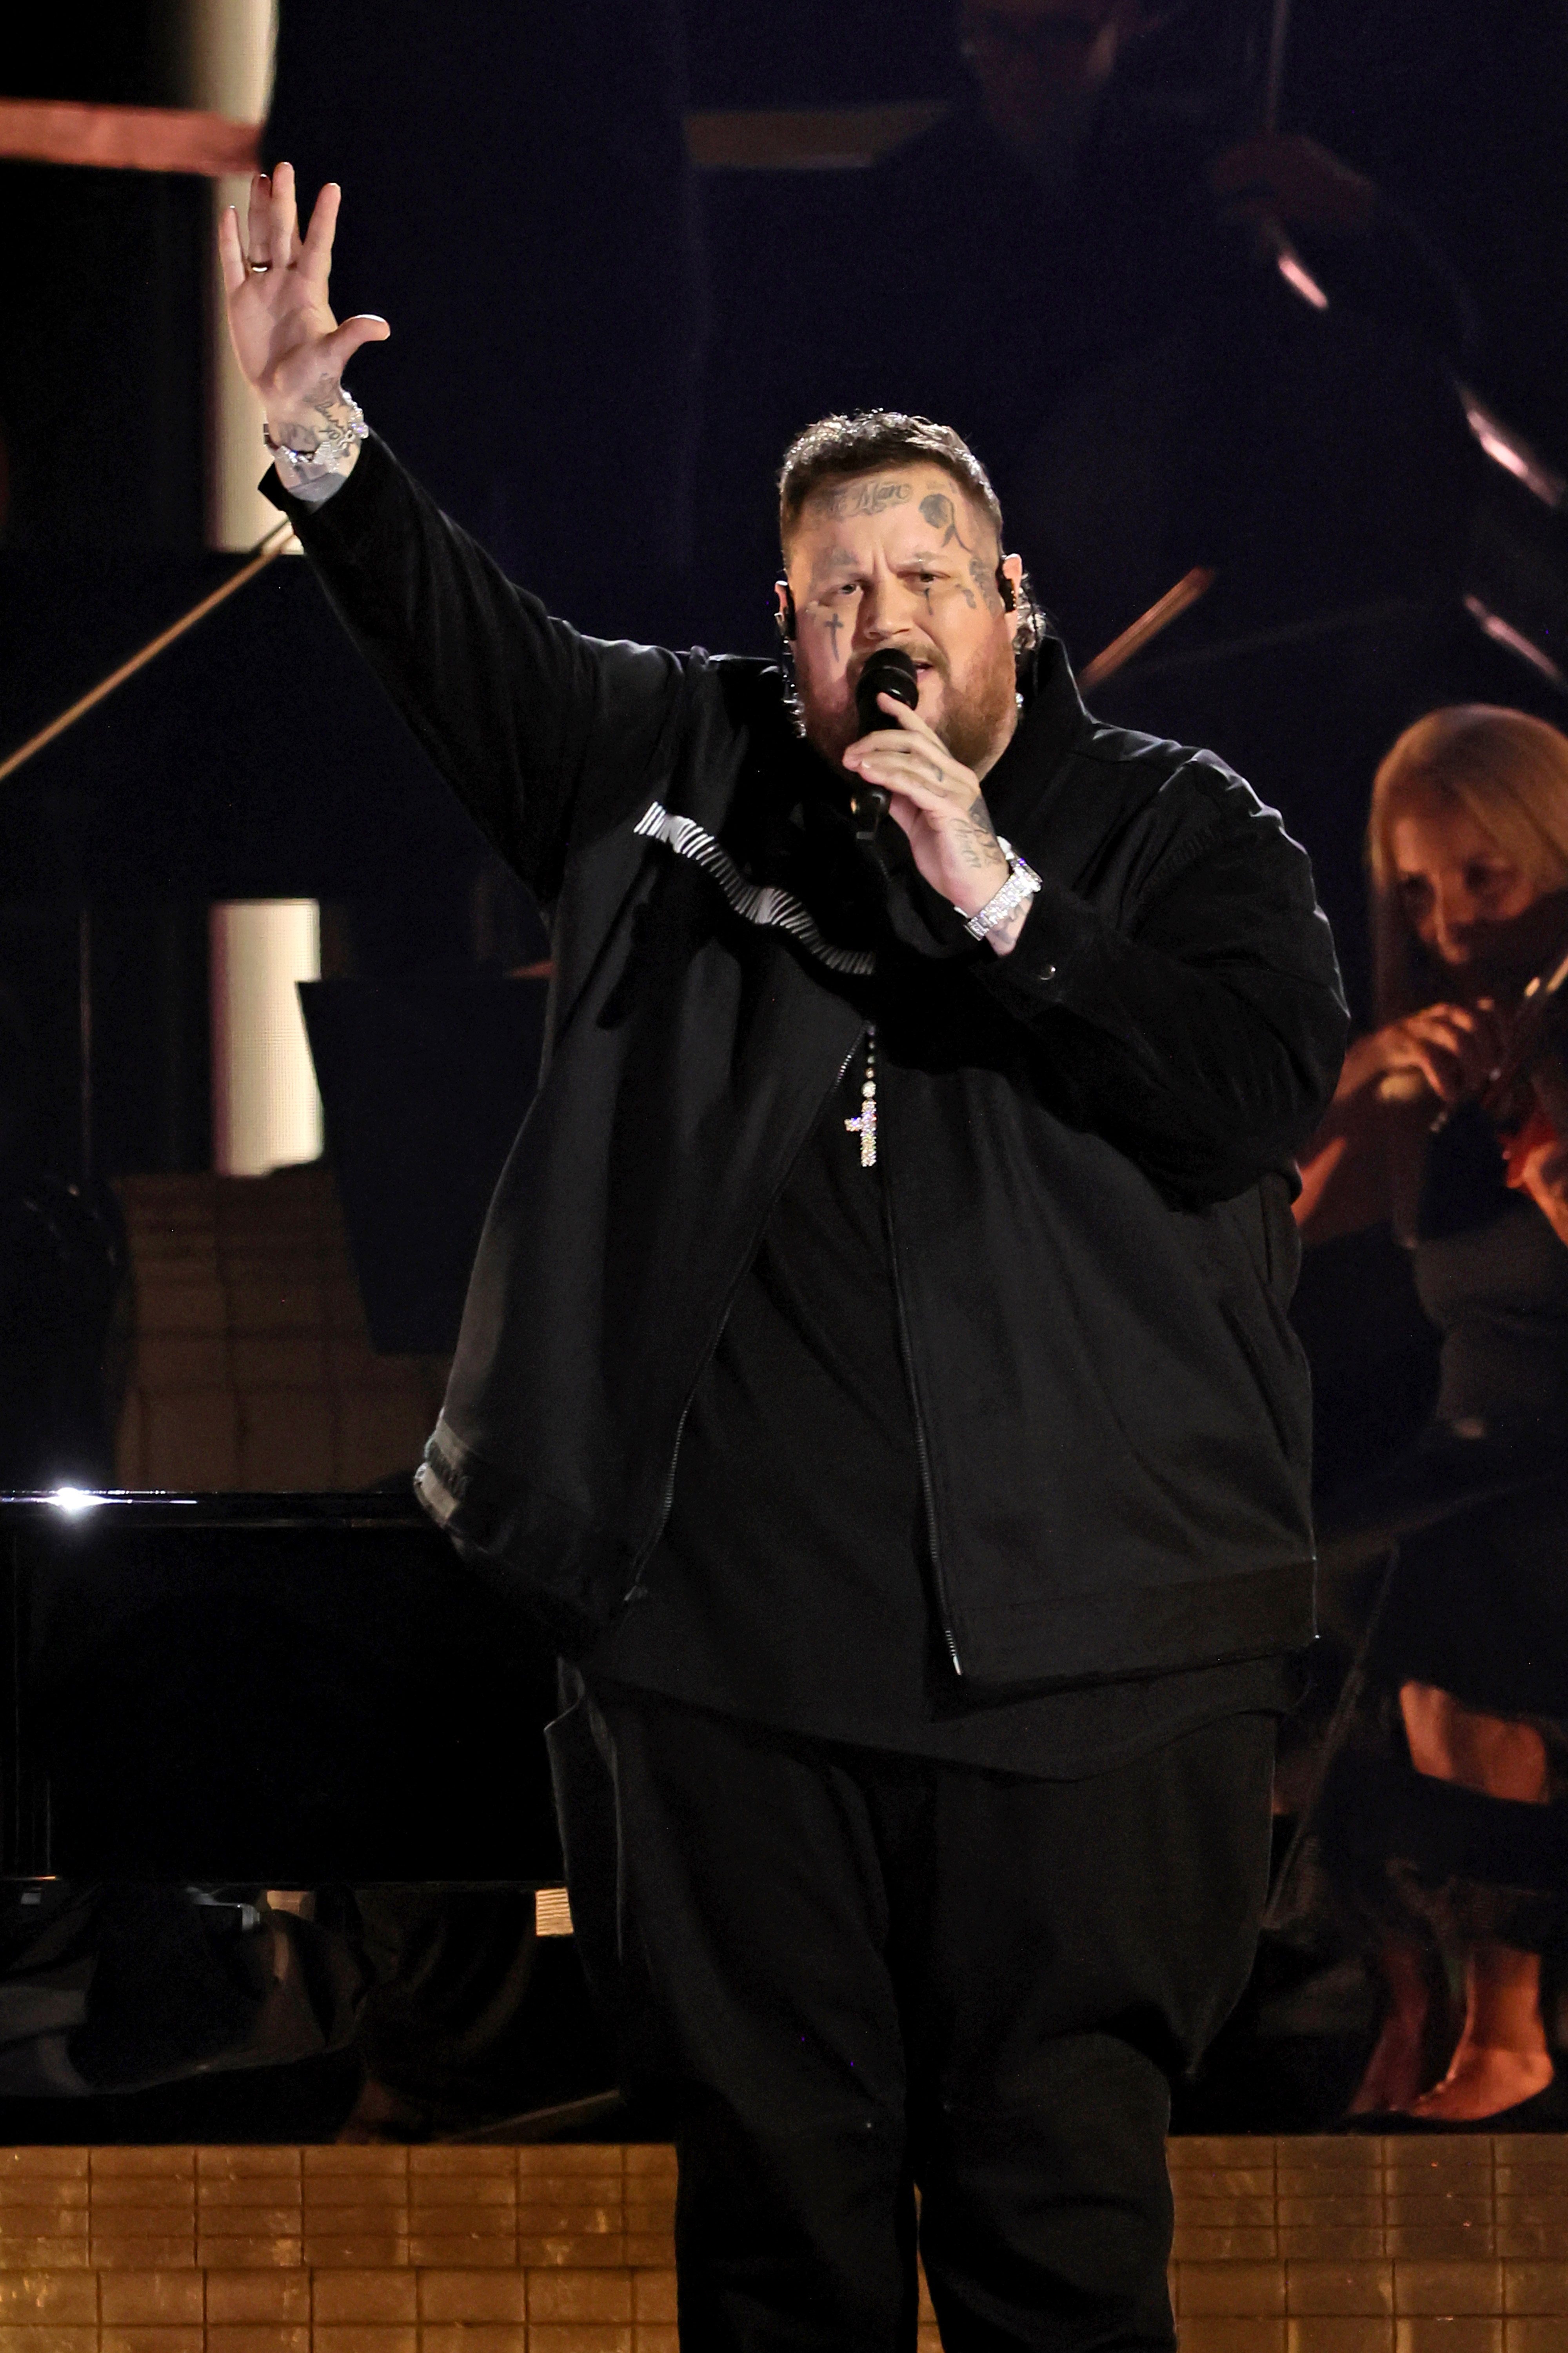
(853, 1972)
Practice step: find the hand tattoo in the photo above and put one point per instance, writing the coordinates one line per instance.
(324, 400)
(976, 837)
(864, 498)
(313, 460)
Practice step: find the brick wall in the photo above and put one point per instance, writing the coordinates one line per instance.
(252, 1367)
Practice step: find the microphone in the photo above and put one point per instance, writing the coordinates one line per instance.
(889, 671)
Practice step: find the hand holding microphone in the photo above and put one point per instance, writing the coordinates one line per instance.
(888, 671)
(903, 768)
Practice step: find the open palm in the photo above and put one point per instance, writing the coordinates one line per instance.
(286, 339)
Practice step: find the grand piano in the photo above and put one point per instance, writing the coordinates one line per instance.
(280, 1689)
(273, 1790)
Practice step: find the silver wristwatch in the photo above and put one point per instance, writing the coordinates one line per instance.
(1022, 884)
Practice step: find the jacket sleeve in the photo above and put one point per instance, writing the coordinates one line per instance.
(1204, 1038)
(537, 728)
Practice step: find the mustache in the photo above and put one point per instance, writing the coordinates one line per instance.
(929, 655)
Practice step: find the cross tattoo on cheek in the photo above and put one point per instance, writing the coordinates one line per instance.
(833, 623)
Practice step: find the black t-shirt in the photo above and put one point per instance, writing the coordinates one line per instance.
(792, 1585)
(1493, 1278)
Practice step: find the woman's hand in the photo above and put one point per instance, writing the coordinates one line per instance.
(1544, 1177)
(1348, 1169)
(1542, 1172)
(1456, 1047)
(285, 337)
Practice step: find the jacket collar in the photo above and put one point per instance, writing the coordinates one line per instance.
(1050, 726)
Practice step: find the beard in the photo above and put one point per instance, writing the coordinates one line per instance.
(977, 717)
(976, 712)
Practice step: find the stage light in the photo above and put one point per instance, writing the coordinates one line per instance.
(1511, 451)
(1299, 278)
(1503, 633)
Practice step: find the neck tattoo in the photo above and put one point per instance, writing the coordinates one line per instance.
(865, 1127)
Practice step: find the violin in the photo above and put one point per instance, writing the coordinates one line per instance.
(1525, 965)
(1508, 1098)
(1525, 1095)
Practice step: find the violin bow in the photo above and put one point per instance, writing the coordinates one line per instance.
(1272, 239)
(257, 558)
(1160, 615)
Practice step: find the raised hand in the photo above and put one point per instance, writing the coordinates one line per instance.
(285, 337)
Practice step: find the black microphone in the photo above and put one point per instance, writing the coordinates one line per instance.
(889, 671)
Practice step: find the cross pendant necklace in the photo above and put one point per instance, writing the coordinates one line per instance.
(865, 1126)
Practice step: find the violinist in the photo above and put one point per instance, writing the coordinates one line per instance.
(1468, 847)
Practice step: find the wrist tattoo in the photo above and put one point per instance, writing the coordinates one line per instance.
(314, 455)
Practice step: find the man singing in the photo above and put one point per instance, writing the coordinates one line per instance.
(875, 1368)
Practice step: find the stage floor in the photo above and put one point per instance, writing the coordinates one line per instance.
(1334, 2244)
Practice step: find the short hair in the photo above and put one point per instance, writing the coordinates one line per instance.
(838, 448)
(835, 448)
(1509, 772)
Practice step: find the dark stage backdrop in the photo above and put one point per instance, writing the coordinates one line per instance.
(586, 338)
(517, 203)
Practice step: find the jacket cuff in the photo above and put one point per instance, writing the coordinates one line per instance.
(334, 518)
(1058, 943)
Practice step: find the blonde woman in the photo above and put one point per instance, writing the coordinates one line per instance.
(1468, 846)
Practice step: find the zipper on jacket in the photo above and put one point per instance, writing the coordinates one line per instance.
(637, 1589)
(923, 1451)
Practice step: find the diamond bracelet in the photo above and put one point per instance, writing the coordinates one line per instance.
(1022, 884)
(339, 436)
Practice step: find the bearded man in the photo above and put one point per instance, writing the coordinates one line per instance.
(874, 1368)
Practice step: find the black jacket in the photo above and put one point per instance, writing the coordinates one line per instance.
(1086, 1144)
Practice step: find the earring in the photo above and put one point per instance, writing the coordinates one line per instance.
(784, 622)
